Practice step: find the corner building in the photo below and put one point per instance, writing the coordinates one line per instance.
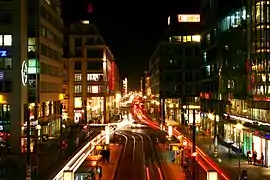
(31, 65)
(236, 73)
(93, 77)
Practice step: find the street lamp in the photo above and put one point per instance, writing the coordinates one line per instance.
(239, 128)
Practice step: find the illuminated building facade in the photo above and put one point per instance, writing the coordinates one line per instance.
(31, 68)
(235, 86)
(174, 66)
(93, 76)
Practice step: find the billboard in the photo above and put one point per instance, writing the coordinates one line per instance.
(189, 18)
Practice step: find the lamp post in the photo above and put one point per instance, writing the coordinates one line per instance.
(239, 128)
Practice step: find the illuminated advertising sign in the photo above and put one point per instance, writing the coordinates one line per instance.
(3, 53)
(169, 20)
(189, 18)
(24, 74)
(111, 76)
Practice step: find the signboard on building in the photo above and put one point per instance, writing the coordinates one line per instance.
(1, 75)
(111, 76)
(189, 18)
(24, 75)
(3, 53)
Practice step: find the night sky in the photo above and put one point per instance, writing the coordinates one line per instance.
(131, 29)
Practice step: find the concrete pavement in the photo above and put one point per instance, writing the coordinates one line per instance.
(109, 168)
(170, 170)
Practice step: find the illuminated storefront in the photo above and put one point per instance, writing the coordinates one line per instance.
(251, 141)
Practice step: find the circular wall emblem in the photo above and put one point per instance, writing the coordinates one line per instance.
(24, 74)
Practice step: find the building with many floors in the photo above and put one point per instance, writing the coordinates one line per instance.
(93, 77)
(235, 85)
(31, 68)
(174, 67)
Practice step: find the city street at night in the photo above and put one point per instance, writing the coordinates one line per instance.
(119, 90)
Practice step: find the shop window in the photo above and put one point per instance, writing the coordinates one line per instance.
(78, 89)
(77, 77)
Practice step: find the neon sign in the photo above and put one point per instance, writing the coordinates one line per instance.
(3, 53)
(24, 75)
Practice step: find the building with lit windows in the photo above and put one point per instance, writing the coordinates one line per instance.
(235, 85)
(174, 66)
(31, 68)
(93, 76)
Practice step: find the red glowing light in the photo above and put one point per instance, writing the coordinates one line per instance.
(90, 8)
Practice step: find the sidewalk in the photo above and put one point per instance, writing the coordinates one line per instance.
(230, 162)
(170, 170)
(109, 169)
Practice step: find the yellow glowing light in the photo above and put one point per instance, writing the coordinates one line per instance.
(2, 99)
(61, 96)
(239, 126)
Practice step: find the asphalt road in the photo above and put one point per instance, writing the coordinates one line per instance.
(139, 160)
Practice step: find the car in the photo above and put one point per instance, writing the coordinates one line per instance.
(137, 125)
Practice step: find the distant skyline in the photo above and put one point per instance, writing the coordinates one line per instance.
(132, 30)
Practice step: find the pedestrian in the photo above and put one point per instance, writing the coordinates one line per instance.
(262, 160)
(108, 154)
(248, 157)
(255, 157)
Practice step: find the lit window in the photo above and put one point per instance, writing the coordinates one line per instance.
(31, 44)
(1, 40)
(77, 77)
(264, 77)
(208, 37)
(77, 102)
(188, 38)
(205, 56)
(208, 70)
(184, 39)
(196, 38)
(94, 77)
(78, 89)
(95, 89)
(7, 40)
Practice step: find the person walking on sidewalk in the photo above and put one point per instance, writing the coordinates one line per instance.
(262, 160)
(254, 157)
(249, 156)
